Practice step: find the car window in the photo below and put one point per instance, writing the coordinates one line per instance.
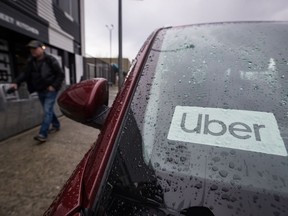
(211, 69)
(207, 125)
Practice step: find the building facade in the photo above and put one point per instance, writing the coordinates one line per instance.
(59, 24)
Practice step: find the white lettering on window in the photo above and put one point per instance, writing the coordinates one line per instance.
(237, 129)
(18, 23)
(6, 18)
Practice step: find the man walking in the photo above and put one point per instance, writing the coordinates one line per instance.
(43, 75)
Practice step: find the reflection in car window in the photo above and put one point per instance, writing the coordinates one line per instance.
(233, 78)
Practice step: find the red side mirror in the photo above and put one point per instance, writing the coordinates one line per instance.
(84, 101)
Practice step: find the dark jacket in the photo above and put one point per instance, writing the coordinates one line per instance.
(48, 73)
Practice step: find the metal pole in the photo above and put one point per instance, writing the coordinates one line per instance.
(110, 28)
(120, 81)
(121, 78)
(110, 35)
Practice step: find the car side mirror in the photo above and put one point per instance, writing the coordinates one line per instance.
(86, 102)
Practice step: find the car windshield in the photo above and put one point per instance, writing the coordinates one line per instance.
(207, 125)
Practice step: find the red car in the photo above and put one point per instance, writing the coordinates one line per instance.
(200, 127)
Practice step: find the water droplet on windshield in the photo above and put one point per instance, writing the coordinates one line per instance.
(275, 178)
(216, 159)
(223, 173)
(183, 159)
(283, 103)
(256, 87)
(214, 187)
(225, 197)
(236, 177)
(277, 198)
(231, 165)
(156, 164)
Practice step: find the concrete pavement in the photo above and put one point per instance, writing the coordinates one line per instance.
(32, 174)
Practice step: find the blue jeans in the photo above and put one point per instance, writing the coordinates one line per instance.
(47, 100)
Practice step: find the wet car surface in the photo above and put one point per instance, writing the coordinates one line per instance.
(199, 128)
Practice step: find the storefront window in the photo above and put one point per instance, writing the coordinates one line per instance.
(5, 67)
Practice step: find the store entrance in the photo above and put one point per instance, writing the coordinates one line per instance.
(13, 54)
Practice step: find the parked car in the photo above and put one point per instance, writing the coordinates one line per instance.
(200, 127)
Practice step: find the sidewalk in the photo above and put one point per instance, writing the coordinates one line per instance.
(32, 174)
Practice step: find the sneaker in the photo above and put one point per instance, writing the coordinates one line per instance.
(53, 130)
(40, 138)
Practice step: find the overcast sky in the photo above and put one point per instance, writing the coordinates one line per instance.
(141, 17)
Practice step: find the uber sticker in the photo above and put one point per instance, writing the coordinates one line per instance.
(237, 129)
